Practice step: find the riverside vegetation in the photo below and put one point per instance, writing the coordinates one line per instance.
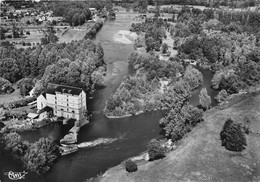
(149, 89)
(78, 63)
(36, 157)
(214, 40)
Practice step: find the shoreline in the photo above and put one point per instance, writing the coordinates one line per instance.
(29, 127)
(131, 115)
(185, 144)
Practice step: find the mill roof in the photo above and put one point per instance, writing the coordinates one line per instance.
(64, 89)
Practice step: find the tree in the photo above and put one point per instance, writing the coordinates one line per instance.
(49, 34)
(180, 120)
(164, 48)
(205, 99)
(193, 77)
(157, 9)
(100, 54)
(9, 69)
(2, 33)
(222, 95)
(12, 142)
(109, 5)
(112, 103)
(232, 136)
(141, 5)
(40, 155)
(130, 166)
(49, 38)
(25, 85)
(150, 2)
(155, 150)
(249, 72)
(232, 84)
(5, 86)
(75, 20)
(151, 44)
(82, 19)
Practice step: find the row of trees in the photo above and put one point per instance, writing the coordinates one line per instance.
(246, 21)
(214, 3)
(36, 157)
(94, 29)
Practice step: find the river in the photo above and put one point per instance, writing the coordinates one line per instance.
(123, 138)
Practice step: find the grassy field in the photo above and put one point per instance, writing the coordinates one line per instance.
(10, 97)
(36, 33)
(200, 156)
(77, 33)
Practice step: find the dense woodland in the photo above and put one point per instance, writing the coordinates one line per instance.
(212, 3)
(154, 30)
(74, 13)
(79, 64)
(37, 157)
(225, 42)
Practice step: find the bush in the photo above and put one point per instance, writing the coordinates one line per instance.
(204, 98)
(130, 166)
(232, 136)
(164, 48)
(5, 86)
(155, 150)
(222, 95)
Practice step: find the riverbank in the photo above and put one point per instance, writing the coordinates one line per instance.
(16, 125)
(124, 103)
(94, 29)
(89, 162)
(148, 90)
(200, 156)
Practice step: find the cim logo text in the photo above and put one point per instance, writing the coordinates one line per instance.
(15, 175)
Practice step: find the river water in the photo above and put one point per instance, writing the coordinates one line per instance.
(117, 139)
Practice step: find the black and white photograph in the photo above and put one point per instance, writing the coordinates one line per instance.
(130, 90)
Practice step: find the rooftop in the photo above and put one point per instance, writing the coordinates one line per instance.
(64, 89)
